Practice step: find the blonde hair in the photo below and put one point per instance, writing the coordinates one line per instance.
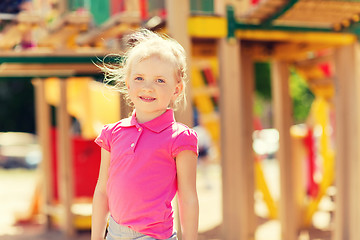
(142, 45)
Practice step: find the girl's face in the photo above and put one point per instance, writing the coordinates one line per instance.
(152, 86)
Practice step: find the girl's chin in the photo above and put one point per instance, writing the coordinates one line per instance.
(150, 112)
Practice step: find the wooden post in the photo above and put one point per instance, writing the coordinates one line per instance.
(247, 86)
(63, 6)
(42, 110)
(65, 164)
(283, 121)
(236, 89)
(298, 154)
(177, 17)
(347, 212)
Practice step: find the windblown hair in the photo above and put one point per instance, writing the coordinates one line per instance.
(142, 45)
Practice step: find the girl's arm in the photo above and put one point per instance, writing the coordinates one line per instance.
(186, 162)
(100, 207)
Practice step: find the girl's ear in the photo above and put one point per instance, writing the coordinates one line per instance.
(178, 89)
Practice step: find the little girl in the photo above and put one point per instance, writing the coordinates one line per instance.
(148, 157)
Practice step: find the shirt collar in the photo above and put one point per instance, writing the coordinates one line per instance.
(156, 125)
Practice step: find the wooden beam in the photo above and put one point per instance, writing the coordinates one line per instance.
(12, 35)
(54, 57)
(30, 17)
(279, 11)
(236, 149)
(355, 163)
(219, 8)
(37, 73)
(66, 68)
(328, 58)
(61, 38)
(298, 154)
(177, 15)
(119, 24)
(63, 6)
(289, 51)
(62, 33)
(297, 51)
(230, 155)
(334, 39)
(347, 212)
(65, 164)
(42, 111)
(283, 122)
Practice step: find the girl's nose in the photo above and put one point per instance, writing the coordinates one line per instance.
(148, 86)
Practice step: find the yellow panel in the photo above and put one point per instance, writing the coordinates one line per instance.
(207, 27)
(214, 129)
(92, 103)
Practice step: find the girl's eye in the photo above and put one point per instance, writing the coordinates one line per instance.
(159, 80)
(139, 78)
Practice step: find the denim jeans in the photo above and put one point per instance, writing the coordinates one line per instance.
(119, 232)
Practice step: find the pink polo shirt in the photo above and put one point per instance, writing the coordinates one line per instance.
(142, 174)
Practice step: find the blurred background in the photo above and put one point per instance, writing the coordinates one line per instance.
(264, 80)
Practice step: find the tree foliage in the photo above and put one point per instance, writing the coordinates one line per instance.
(17, 106)
(302, 97)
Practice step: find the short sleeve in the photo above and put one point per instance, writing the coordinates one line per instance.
(104, 138)
(186, 140)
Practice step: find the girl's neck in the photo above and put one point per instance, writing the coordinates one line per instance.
(143, 118)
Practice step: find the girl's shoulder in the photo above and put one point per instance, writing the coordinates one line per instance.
(180, 128)
(184, 138)
(114, 127)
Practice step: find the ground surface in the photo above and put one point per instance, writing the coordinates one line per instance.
(17, 189)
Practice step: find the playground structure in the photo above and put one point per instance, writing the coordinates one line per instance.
(224, 48)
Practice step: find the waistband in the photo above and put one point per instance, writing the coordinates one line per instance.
(117, 232)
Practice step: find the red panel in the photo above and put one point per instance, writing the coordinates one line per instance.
(86, 164)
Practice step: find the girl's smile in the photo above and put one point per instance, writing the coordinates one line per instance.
(152, 87)
(147, 99)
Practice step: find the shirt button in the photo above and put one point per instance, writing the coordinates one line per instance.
(139, 129)
(132, 145)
